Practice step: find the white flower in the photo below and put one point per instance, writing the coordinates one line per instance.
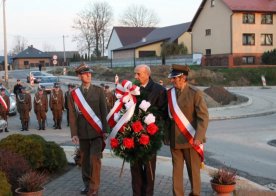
(144, 105)
(117, 116)
(150, 118)
(129, 104)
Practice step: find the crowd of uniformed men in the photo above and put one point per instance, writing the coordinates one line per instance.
(57, 102)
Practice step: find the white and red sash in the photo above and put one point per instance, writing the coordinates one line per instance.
(3, 103)
(87, 111)
(182, 122)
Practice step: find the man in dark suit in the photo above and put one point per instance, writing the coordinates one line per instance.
(142, 179)
(187, 134)
(88, 100)
(66, 96)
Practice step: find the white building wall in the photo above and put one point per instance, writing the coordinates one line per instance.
(114, 43)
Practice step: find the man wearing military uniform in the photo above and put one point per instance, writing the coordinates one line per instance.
(187, 134)
(24, 107)
(88, 126)
(4, 106)
(40, 107)
(56, 104)
(66, 96)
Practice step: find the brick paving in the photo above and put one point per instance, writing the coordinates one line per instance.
(112, 184)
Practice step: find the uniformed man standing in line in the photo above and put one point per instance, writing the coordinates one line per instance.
(4, 106)
(66, 95)
(40, 107)
(56, 104)
(24, 107)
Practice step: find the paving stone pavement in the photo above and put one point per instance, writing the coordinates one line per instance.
(70, 184)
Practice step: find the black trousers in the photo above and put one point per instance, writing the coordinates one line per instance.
(143, 175)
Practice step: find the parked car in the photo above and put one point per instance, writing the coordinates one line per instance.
(47, 83)
(12, 110)
(37, 76)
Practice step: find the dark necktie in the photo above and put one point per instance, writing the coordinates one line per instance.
(85, 92)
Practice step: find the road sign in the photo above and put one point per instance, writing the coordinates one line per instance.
(55, 57)
(54, 62)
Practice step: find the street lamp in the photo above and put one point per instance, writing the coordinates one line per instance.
(5, 45)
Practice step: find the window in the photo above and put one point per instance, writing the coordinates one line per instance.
(248, 39)
(248, 18)
(208, 32)
(147, 53)
(212, 3)
(267, 19)
(248, 60)
(208, 52)
(26, 62)
(266, 39)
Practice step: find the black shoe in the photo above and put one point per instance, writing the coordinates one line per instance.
(6, 130)
(84, 191)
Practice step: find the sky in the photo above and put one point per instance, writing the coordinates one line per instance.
(43, 23)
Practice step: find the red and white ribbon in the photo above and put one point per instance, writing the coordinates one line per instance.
(87, 111)
(3, 103)
(182, 122)
(125, 94)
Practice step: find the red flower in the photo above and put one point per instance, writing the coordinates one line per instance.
(137, 126)
(144, 139)
(152, 128)
(114, 143)
(128, 143)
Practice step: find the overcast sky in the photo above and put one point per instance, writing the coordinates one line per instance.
(43, 22)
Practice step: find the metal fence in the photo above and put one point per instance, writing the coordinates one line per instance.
(151, 61)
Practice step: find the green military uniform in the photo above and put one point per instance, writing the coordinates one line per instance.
(192, 104)
(24, 106)
(90, 140)
(40, 108)
(56, 104)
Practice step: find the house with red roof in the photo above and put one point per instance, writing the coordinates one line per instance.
(123, 36)
(150, 44)
(234, 32)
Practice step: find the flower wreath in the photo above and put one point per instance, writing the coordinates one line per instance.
(135, 134)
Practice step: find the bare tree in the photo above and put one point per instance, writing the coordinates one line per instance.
(48, 47)
(92, 24)
(139, 16)
(20, 44)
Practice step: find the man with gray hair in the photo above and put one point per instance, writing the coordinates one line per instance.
(142, 179)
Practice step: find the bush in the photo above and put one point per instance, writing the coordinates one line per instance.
(269, 57)
(41, 155)
(13, 165)
(31, 149)
(5, 187)
(55, 158)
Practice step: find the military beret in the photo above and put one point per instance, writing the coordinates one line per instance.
(178, 70)
(83, 68)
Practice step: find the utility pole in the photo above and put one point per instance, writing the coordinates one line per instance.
(64, 54)
(5, 45)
